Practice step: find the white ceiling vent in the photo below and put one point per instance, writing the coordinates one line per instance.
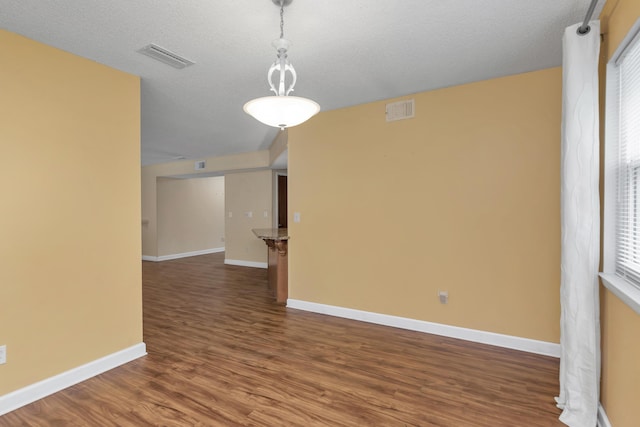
(400, 110)
(165, 56)
(200, 165)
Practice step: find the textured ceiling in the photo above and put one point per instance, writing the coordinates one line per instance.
(345, 52)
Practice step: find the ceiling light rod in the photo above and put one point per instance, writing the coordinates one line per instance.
(584, 28)
(282, 4)
(282, 110)
(282, 63)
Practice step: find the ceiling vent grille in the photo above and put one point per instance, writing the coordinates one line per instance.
(400, 110)
(163, 55)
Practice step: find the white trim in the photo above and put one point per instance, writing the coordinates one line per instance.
(44, 388)
(603, 420)
(626, 42)
(190, 254)
(627, 292)
(243, 263)
(507, 341)
(182, 255)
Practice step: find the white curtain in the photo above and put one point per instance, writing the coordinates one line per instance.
(580, 212)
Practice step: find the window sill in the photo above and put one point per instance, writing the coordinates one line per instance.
(628, 293)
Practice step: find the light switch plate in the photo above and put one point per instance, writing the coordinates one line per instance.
(444, 297)
(3, 354)
(296, 217)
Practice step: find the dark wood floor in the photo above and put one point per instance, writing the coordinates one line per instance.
(222, 354)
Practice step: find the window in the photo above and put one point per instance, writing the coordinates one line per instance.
(622, 172)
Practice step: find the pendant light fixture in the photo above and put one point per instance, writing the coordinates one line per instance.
(281, 110)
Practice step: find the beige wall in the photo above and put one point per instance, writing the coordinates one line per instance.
(247, 192)
(278, 146)
(620, 391)
(215, 165)
(149, 212)
(464, 198)
(190, 214)
(70, 282)
(620, 362)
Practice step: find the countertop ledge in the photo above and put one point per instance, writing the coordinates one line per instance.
(271, 233)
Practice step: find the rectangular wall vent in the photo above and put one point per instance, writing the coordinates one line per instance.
(163, 55)
(400, 110)
(201, 164)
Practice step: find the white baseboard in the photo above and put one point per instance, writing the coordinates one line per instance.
(242, 263)
(500, 340)
(603, 420)
(44, 388)
(182, 255)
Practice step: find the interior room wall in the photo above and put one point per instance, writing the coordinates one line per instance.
(70, 282)
(248, 199)
(278, 146)
(190, 215)
(620, 390)
(464, 198)
(182, 168)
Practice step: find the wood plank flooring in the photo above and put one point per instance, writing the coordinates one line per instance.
(221, 353)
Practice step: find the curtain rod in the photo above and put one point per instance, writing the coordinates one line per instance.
(585, 28)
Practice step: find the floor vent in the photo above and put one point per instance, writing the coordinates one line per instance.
(165, 56)
(400, 110)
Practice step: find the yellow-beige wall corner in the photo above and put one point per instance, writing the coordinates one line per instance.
(71, 288)
(464, 198)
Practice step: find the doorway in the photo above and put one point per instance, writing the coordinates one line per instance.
(282, 201)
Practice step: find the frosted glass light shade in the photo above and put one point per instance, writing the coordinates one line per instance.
(281, 111)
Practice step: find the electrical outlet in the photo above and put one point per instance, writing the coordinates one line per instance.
(444, 297)
(3, 354)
